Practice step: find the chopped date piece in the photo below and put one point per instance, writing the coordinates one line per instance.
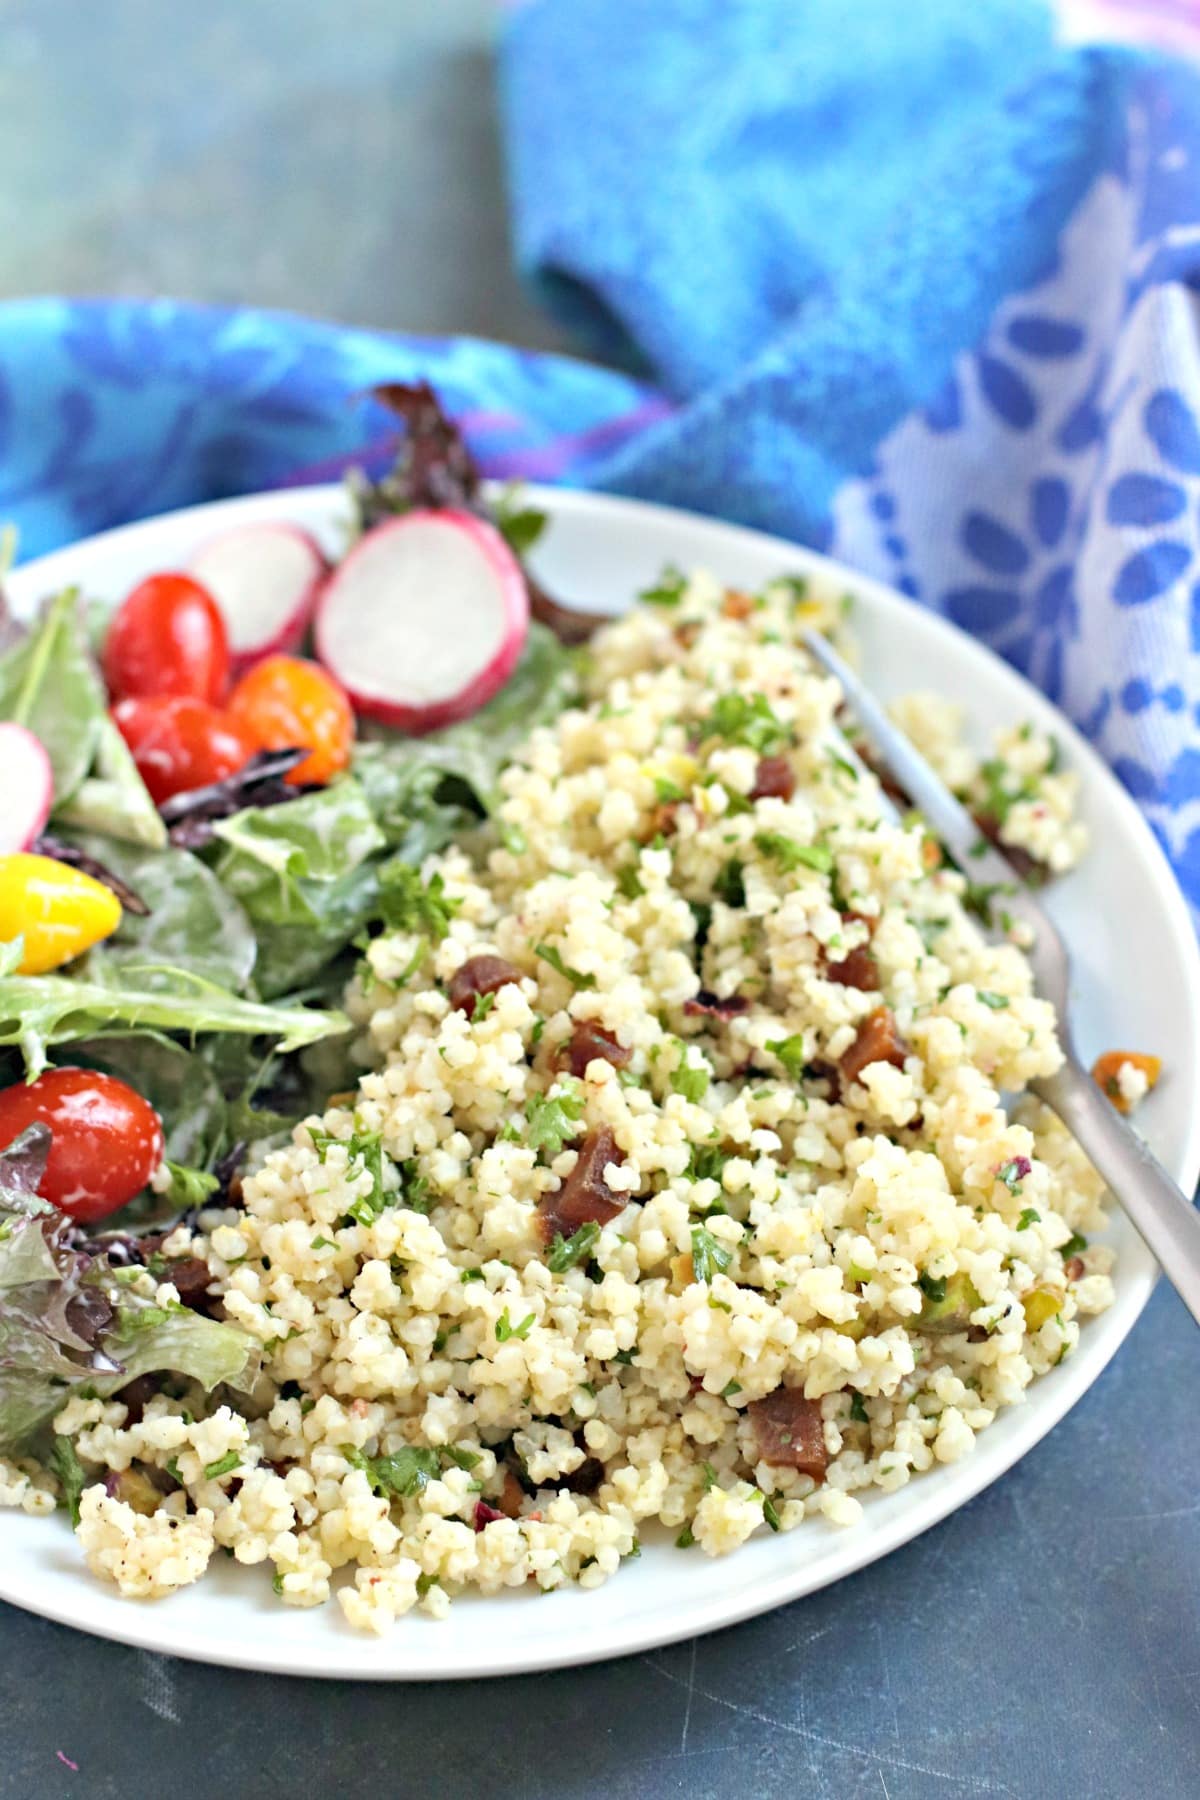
(857, 969)
(1073, 1268)
(136, 1395)
(484, 1514)
(1032, 872)
(662, 820)
(592, 1043)
(857, 918)
(737, 605)
(190, 1276)
(512, 1496)
(788, 1432)
(584, 1195)
(585, 1479)
(1106, 1072)
(478, 976)
(774, 779)
(706, 1005)
(878, 1040)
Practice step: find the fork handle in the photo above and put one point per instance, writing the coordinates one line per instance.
(1160, 1211)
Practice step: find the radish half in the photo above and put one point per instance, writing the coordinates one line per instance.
(26, 788)
(265, 579)
(425, 619)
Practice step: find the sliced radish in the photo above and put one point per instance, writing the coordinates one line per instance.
(26, 788)
(424, 620)
(265, 579)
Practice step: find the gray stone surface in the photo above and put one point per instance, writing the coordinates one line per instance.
(340, 157)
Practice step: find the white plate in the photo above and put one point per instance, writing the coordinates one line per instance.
(1139, 986)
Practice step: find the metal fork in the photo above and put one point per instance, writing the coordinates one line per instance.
(1160, 1211)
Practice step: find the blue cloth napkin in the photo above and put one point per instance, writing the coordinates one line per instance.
(905, 282)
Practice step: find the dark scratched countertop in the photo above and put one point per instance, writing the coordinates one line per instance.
(1045, 1640)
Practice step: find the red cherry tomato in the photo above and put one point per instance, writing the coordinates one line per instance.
(285, 700)
(179, 743)
(107, 1140)
(167, 637)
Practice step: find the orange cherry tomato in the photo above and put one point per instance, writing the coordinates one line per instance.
(179, 743)
(107, 1140)
(285, 701)
(167, 637)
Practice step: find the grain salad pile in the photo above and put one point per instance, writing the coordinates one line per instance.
(678, 1192)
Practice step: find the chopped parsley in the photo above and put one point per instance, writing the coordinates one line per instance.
(224, 1465)
(554, 1118)
(997, 1002)
(747, 719)
(482, 1007)
(668, 590)
(710, 1476)
(505, 1328)
(277, 1581)
(629, 882)
(686, 1538)
(709, 1255)
(666, 791)
(791, 1053)
(933, 1287)
(790, 855)
(1074, 1244)
(858, 1411)
(472, 1275)
(576, 977)
(405, 1472)
(770, 1513)
(625, 1356)
(406, 903)
(1030, 1216)
(189, 1187)
(730, 1389)
(730, 885)
(690, 1080)
(520, 526)
(566, 1252)
(707, 1163)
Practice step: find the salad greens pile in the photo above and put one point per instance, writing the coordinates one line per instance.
(69, 1320)
(250, 934)
(217, 998)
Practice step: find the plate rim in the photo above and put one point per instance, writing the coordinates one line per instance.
(351, 1658)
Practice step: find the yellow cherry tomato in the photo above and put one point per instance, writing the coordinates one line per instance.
(58, 911)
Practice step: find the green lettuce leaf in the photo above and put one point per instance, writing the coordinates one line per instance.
(113, 798)
(193, 922)
(305, 876)
(49, 684)
(38, 1011)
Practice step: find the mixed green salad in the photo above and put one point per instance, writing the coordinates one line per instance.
(219, 926)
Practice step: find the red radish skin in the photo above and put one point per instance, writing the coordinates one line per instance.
(265, 578)
(424, 620)
(26, 788)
